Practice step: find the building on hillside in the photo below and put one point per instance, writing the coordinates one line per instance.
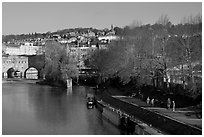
(3, 49)
(12, 49)
(103, 46)
(108, 37)
(80, 52)
(180, 74)
(73, 39)
(72, 34)
(56, 36)
(28, 49)
(63, 41)
(28, 43)
(40, 49)
(91, 34)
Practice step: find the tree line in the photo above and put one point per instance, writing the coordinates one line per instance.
(142, 54)
(146, 52)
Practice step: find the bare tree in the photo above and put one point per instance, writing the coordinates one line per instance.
(135, 24)
(192, 19)
(163, 20)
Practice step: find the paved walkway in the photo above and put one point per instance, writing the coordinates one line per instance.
(179, 114)
(175, 123)
(175, 115)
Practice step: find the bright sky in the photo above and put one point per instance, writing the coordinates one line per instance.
(21, 17)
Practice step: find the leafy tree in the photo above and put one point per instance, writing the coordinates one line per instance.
(129, 57)
(59, 65)
(188, 46)
(118, 31)
(148, 51)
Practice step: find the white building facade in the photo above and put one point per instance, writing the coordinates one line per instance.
(26, 48)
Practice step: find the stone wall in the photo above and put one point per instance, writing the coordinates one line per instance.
(18, 63)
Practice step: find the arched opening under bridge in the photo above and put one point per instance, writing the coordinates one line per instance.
(10, 73)
(31, 73)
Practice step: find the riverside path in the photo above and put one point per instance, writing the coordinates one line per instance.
(175, 123)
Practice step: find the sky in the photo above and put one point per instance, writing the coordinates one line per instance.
(23, 18)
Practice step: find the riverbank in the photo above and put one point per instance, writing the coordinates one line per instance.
(10, 80)
(130, 125)
(193, 111)
(165, 120)
(51, 83)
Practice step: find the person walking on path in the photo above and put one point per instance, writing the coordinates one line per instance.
(148, 100)
(168, 103)
(152, 102)
(140, 95)
(174, 105)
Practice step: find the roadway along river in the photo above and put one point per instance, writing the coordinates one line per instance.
(33, 109)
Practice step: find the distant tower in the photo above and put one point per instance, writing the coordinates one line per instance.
(112, 29)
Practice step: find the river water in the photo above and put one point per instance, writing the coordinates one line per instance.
(31, 109)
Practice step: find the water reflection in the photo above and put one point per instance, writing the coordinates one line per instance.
(49, 105)
(69, 91)
(45, 110)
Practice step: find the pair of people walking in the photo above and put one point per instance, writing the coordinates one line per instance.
(151, 102)
(169, 104)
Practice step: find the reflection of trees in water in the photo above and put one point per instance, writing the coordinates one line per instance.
(69, 91)
(95, 119)
(58, 107)
(51, 111)
(50, 105)
(79, 91)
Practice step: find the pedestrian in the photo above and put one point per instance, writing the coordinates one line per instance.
(174, 105)
(148, 100)
(152, 102)
(168, 103)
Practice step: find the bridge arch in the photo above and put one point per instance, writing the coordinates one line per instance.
(13, 73)
(10, 73)
(31, 73)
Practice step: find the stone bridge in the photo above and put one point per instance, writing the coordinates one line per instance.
(29, 67)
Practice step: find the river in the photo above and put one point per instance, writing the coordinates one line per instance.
(31, 109)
